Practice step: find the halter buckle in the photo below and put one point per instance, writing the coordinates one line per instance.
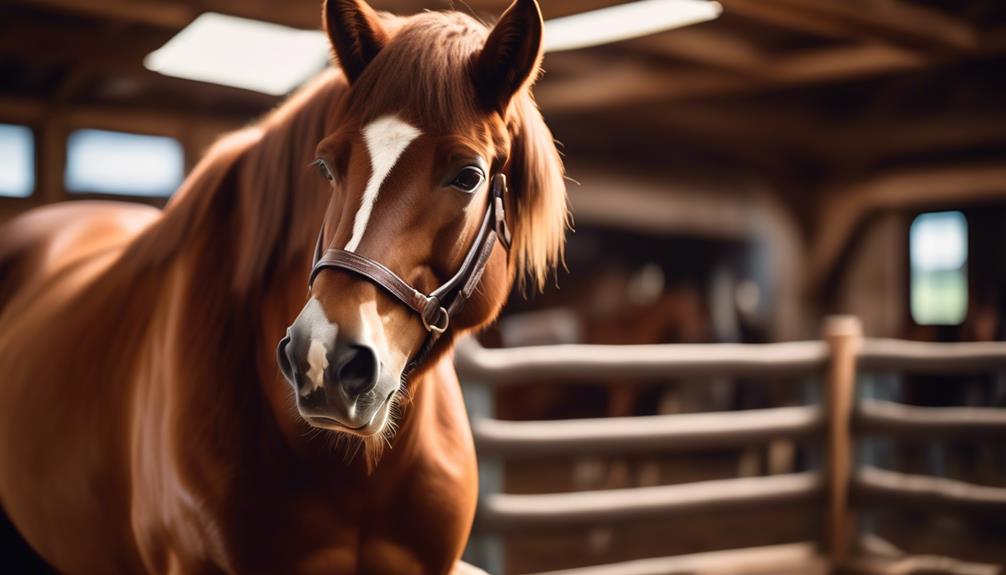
(441, 320)
(499, 191)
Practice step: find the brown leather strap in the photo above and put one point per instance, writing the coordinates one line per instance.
(375, 272)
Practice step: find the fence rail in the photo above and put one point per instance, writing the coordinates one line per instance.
(503, 512)
(879, 354)
(875, 417)
(893, 489)
(836, 361)
(666, 433)
(604, 363)
(788, 558)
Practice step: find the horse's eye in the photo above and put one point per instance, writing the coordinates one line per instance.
(468, 179)
(324, 170)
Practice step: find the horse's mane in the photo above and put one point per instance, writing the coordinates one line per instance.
(261, 172)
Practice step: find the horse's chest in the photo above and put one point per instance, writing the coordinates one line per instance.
(419, 528)
(417, 524)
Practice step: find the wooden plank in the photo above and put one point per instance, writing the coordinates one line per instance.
(801, 558)
(633, 84)
(602, 363)
(21, 111)
(773, 13)
(917, 565)
(298, 13)
(663, 433)
(493, 8)
(843, 208)
(884, 418)
(485, 549)
(176, 14)
(878, 487)
(705, 45)
(505, 512)
(164, 13)
(889, 21)
(926, 357)
(144, 121)
(844, 336)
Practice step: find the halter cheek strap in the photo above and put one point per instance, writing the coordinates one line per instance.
(436, 308)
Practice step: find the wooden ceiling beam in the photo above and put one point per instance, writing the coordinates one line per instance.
(176, 14)
(711, 48)
(493, 8)
(828, 64)
(890, 21)
(896, 21)
(126, 120)
(844, 208)
(702, 45)
(632, 84)
(771, 12)
(164, 14)
(629, 83)
(114, 43)
(848, 146)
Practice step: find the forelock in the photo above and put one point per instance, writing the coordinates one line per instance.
(423, 74)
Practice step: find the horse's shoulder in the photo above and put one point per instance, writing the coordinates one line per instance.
(71, 230)
(52, 218)
(38, 247)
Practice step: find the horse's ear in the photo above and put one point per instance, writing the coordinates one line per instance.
(355, 32)
(511, 56)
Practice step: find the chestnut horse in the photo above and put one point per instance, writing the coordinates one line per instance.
(144, 423)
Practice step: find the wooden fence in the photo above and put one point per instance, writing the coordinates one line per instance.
(839, 487)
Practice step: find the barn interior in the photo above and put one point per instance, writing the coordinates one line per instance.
(736, 180)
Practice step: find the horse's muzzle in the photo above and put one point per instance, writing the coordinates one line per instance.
(338, 382)
(353, 368)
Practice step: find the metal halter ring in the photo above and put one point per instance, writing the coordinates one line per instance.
(440, 326)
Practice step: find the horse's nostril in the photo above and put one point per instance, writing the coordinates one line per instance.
(358, 374)
(283, 359)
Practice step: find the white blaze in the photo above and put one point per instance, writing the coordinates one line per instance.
(317, 361)
(386, 139)
(322, 332)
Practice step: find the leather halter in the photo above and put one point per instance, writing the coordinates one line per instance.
(436, 308)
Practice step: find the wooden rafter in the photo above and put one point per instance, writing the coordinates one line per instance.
(164, 14)
(845, 207)
(703, 45)
(634, 84)
(890, 21)
(298, 13)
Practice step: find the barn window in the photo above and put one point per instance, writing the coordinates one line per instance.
(17, 161)
(119, 163)
(938, 242)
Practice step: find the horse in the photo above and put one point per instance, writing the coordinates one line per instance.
(148, 422)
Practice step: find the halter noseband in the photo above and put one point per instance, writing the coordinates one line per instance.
(436, 309)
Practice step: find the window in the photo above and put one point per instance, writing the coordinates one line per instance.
(17, 161)
(938, 242)
(123, 164)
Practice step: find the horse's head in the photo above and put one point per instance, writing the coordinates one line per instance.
(437, 109)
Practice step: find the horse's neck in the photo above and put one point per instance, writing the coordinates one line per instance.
(230, 258)
(254, 203)
(434, 419)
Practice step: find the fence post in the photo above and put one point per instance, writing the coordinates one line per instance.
(484, 550)
(844, 337)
